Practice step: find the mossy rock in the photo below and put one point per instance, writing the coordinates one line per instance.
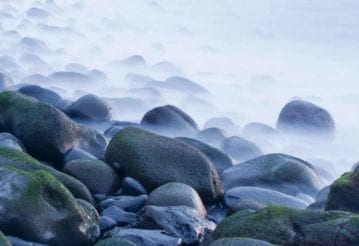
(156, 160)
(3, 240)
(37, 207)
(114, 241)
(344, 193)
(18, 159)
(240, 241)
(286, 226)
(46, 132)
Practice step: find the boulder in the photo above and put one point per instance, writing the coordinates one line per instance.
(283, 173)
(90, 107)
(41, 94)
(288, 226)
(9, 141)
(239, 241)
(98, 176)
(3, 240)
(156, 160)
(46, 132)
(306, 119)
(51, 215)
(132, 187)
(240, 149)
(169, 120)
(223, 123)
(212, 136)
(176, 194)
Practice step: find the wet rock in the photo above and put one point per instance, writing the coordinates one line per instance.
(132, 187)
(240, 241)
(9, 141)
(114, 242)
(77, 154)
(121, 217)
(110, 132)
(127, 203)
(106, 223)
(211, 136)
(41, 94)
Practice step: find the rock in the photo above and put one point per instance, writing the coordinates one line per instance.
(50, 208)
(110, 132)
(344, 193)
(127, 203)
(223, 123)
(46, 132)
(10, 141)
(216, 213)
(240, 241)
(41, 94)
(20, 160)
(240, 149)
(95, 174)
(259, 129)
(132, 187)
(5, 81)
(263, 196)
(144, 237)
(114, 241)
(176, 194)
(135, 60)
(29, 44)
(211, 136)
(77, 154)
(71, 78)
(63, 104)
(169, 120)
(220, 160)
(121, 217)
(304, 118)
(249, 205)
(283, 173)
(181, 221)
(287, 226)
(90, 107)
(106, 223)
(3, 240)
(156, 160)
(320, 200)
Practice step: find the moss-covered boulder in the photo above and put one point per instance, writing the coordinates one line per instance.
(279, 172)
(239, 241)
(3, 240)
(46, 132)
(344, 193)
(98, 176)
(156, 160)
(286, 226)
(35, 206)
(18, 159)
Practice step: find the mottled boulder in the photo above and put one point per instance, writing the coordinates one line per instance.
(220, 160)
(240, 149)
(156, 160)
(307, 119)
(169, 120)
(46, 132)
(176, 194)
(98, 176)
(90, 107)
(20, 160)
(50, 208)
(283, 173)
(286, 226)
